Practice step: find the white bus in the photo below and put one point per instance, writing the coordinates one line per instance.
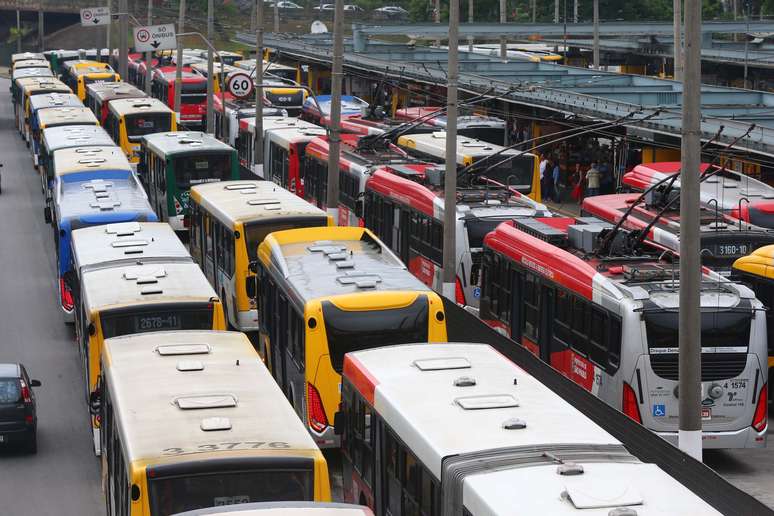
(458, 429)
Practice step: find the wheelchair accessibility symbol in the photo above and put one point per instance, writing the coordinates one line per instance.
(659, 410)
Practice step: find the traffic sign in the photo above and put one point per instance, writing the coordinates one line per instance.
(94, 16)
(239, 84)
(155, 37)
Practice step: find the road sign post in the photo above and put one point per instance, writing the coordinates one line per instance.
(95, 16)
(155, 37)
(239, 84)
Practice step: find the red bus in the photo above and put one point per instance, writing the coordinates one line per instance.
(404, 207)
(735, 193)
(193, 94)
(609, 322)
(99, 95)
(723, 239)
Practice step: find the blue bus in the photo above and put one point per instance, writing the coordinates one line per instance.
(91, 198)
(350, 106)
(49, 100)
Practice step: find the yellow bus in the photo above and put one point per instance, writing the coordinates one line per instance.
(192, 419)
(115, 301)
(28, 88)
(229, 220)
(217, 71)
(324, 292)
(72, 69)
(129, 120)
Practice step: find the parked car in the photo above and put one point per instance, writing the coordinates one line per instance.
(285, 4)
(353, 9)
(324, 7)
(18, 417)
(391, 11)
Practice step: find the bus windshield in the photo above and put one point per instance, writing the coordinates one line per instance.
(488, 134)
(142, 124)
(116, 323)
(515, 172)
(727, 330)
(257, 231)
(171, 495)
(357, 330)
(194, 170)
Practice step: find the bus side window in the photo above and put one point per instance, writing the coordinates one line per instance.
(614, 344)
(531, 307)
(580, 316)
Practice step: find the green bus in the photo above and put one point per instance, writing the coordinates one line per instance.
(172, 162)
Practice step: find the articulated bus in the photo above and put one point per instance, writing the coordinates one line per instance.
(486, 128)
(283, 509)
(458, 429)
(99, 96)
(129, 120)
(609, 322)
(193, 95)
(171, 163)
(522, 172)
(67, 137)
(192, 419)
(284, 144)
(49, 117)
(138, 72)
(723, 239)
(88, 191)
(404, 207)
(30, 87)
(729, 191)
(139, 298)
(324, 292)
(32, 133)
(229, 220)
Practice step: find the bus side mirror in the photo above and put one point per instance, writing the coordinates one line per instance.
(359, 208)
(253, 266)
(95, 402)
(339, 422)
(47, 214)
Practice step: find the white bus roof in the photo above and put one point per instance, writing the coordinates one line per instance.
(145, 284)
(126, 243)
(285, 127)
(434, 144)
(50, 100)
(184, 142)
(167, 405)
(135, 106)
(414, 389)
(26, 55)
(250, 201)
(66, 136)
(114, 90)
(67, 115)
(283, 509)
(89, 159)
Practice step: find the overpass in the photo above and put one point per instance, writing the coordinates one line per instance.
(49, 6)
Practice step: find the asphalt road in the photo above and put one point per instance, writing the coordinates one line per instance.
(63, 479)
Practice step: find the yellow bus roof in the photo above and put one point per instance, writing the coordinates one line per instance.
(89, 159)
(31, 85)
(760, 262)
(69, 115)
(434, 144)
(122, 107)
(79, 64)
(234, 202)
(333, 261)
(161, 406)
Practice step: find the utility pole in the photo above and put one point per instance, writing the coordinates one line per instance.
(276, 18)
(470, 20)
(534, 10)
(41, 41)
(334, 131)
(211, 68)
(252, 17)
(149, 55)
(678, 36)
(575, 11)
(556, 11)
(179, 64)
(596, 34)
(747, 43)
(258, 136)
(503, 44)
(437, 17)
(108, 29)
(450, 175)
(123, 39)
(689, 435)
(18, 29)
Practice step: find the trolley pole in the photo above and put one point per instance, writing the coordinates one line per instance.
(689, 434)
(334, 131)
(123, 39)
(596, 35)
(179, 64)
(503, 20)
(258, 136)
(678, 36)
(575, 11)
(211, 69)
(450, 175)
(149, 55)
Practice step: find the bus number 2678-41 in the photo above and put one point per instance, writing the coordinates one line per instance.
(244, 445)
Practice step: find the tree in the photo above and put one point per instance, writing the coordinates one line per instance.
(15, 35)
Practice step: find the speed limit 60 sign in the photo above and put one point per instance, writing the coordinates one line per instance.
(239, 84)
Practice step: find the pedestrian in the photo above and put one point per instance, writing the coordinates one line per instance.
(557, 189)
(546, 179)
(593, 177)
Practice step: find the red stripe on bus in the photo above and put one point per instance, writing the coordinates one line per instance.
(361, 379)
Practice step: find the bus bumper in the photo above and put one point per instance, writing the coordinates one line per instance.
(326, 439)
(247, 320)
(744, 438)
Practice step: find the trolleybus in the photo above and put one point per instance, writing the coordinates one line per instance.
(324, 292)
(237, 110)
(229, 220)
(606, 317)
(228, 435)
(129, 120)
(404, 207)
(458, 429)
(318, 110)
(486, 128)
(99, 95)
(174, 162)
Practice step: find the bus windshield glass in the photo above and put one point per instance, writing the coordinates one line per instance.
(357, 330)
(171, 495)
(494, 135)
(194, 170)
(515, 172)
(257, 231)
(725, 331)
(141, 124)
(162, 318)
